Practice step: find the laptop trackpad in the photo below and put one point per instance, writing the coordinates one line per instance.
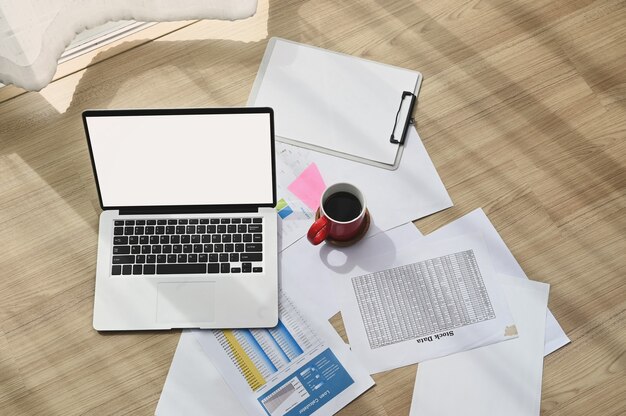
(184, 303)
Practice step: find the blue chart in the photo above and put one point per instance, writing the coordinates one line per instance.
(308, 388)
(259, 353)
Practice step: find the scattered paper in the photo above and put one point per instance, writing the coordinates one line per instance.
(308, 271)
(499, 379)
(309, 186)
(439, 298)
(194, 387)
(299, 367)
(393, 198)
(476, 222)
(294, 216)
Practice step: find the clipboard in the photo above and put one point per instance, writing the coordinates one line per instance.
(335, 103)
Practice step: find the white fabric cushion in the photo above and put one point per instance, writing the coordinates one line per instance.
(34, 33)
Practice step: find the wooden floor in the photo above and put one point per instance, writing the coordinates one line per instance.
(522, 111)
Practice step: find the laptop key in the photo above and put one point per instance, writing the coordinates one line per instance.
(257, 238)
(183, 222)
(187, 248)
(137, 269)
(148, 269)
(257, 220)
(150, 258)
(225, 220)
(161, 258)
(215, 221)
(167, 249)
(246, 220)
(197, 248)
(129, 230)
(255, 228)
(192, 258)
(129, 222)
(161, 222)
(135, 250)
(144, 239)
(236, 220)
(193, 221)
(127, 269)
(208, 248)
(124, 259)
(151, 222)
(254, 247)
(247, 238)
(251, 257)
(149, 230)
(118, 231)
(185, 239)
(145, 249)
(116, 270)
(119, 222)
(171, 258)
(257, 269)
(204, 221)
(213, 258)
(239, 247)
(225, 268)
(195, 239)
(120, 240)
(246, 267)
(221, 229)
(203, 258)
(139, 230)
(181, 268)
(223, 258)
(140, 222)
(154, 239)
(234, 257)
(229, 248)
(177, 248)
(213, 268)
(182, 258)
(140, 258)
(133, 239)
(121, 249)
(231, 228)
(235, 270)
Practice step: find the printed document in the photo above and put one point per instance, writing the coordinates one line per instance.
(476, 222)
(394, 197)
(499, 379)
(438, 299)
(300, 367)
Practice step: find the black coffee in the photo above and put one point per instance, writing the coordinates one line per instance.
(342, 206)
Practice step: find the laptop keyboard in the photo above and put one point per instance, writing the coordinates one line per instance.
(187, 246)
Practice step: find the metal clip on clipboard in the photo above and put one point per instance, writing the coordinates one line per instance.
(407, 121)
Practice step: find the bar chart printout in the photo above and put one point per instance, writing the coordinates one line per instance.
(286, 370)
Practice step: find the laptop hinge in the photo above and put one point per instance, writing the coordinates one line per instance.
(224, 209)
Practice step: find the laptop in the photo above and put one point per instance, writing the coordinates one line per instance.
(188, 233)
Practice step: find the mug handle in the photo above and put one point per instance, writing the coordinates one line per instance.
(318, 231)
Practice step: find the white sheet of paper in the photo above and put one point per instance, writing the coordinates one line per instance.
(393, 198)
(299, 367)
(476, 222)
(499, 379)
(307, 271)
(449, 302)
(334, 101)
(194, 387)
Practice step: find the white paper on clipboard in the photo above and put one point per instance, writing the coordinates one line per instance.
(335, 103)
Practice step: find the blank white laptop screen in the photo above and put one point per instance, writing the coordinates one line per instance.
(182, 159)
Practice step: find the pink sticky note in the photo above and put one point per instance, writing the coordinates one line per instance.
(309, 186)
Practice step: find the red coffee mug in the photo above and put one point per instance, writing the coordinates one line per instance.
(342, 213)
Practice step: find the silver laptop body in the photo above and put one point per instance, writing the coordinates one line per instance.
(187, 236)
